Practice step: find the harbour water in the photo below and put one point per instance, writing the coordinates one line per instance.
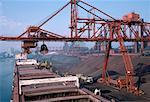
(7, 66)
(6, 78)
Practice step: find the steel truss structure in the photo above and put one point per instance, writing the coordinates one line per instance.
(98, 27)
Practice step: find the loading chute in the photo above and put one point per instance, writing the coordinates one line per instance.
(44, 49)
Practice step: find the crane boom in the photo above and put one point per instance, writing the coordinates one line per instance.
(131, 28)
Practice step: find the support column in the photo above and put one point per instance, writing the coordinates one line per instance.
(142, 43)
(136, 47)
(106, 61)
(74, 18)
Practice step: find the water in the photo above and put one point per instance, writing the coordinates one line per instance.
(7, 68)
(6, 78)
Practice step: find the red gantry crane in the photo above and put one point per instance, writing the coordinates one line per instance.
(99, 27)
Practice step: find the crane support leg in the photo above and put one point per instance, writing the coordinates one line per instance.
(106, 61)
(127, 61)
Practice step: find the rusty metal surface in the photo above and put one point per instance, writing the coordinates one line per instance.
(15, 92)
(37, 77)
(33, 73)
(79, 97)
(72, 39)
(52, 92)
(48, 88)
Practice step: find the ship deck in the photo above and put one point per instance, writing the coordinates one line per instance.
(40, 85)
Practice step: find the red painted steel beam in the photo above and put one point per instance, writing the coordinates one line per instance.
(70, 39)
(106, 61)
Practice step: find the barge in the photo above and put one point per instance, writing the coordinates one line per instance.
(33, 84)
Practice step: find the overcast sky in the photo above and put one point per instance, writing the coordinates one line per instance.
(17, 15)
